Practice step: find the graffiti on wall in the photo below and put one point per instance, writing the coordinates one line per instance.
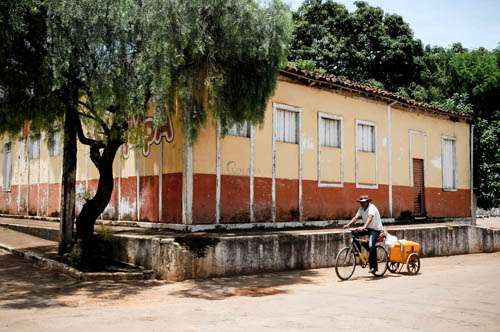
(152, 135)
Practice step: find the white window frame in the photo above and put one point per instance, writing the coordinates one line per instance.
(4, 175)
(33, 139)
(455, 175)
(331, 116)
(374, 140)
(286, 108)
(55, 150)
(356, 151)
(239, 130)
(279, 106)
(328, 116)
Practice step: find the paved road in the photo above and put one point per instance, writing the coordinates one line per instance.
(459, 293)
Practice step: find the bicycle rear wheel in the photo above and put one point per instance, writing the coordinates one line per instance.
(345, 263)
(382, 260)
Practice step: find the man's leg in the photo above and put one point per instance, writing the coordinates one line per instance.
(372, 242)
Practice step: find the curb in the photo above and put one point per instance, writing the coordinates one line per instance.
(55, 266)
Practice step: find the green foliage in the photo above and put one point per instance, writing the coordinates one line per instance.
(25, 80)
(216, 56)
(96, 46)
(370, 46)
(74, 256)
(362, 45)
(104, 233)
(467, 81)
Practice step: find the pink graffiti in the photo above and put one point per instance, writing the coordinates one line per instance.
(152, 135)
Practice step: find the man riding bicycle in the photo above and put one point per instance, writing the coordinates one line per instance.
(372, 227)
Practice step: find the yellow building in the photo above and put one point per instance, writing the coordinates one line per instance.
(323, 142)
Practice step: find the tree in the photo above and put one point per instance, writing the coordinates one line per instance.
(366, 45)
(477, 74)
(108, 61)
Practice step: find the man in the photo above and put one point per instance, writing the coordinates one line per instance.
(372, 227)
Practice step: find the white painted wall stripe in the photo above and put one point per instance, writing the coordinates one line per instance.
(273, 168)
(301, 153)
(187, 177)
(217, 171)
(252, 173)
(137, 185)
(471, 175)
(389, 156)
(160, 182)
(118, 205)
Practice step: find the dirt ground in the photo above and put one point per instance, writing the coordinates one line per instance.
(459, 293)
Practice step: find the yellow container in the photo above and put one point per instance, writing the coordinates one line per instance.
(402, 249)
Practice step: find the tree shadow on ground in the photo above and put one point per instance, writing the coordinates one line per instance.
(24, 286)
(252, 286)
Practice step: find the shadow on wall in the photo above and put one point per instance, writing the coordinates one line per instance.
(24, 286)
(251, 286)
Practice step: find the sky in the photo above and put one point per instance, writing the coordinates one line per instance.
(474, 23)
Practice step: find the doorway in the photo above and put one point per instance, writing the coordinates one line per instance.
(418, 188)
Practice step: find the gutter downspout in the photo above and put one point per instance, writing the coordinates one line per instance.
(389, 154)
(471, 176)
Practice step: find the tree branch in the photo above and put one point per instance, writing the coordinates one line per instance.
(85, 140)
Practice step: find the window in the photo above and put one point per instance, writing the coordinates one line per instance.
(286, 126)
(54, 144)
(449, 164)
(239, 129)
(34, 147)
(7, 166)
(329, 132)
(365, 137)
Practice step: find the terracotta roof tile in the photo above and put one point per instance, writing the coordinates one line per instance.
(335, 83)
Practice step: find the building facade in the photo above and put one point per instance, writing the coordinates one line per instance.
(323, 143)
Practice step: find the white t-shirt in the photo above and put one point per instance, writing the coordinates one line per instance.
(372, 211)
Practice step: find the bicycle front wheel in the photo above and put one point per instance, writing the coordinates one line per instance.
(345, 263)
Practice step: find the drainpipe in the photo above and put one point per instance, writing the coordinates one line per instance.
(389, 154)
(471, 176)
(187, 172)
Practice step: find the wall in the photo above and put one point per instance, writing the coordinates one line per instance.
(345, 173)
(197, 257)
(147, 184)
(256, 178)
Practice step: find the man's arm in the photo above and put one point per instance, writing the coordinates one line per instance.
(353, 220)
(368, 221)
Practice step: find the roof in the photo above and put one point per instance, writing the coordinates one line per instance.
(333, 82)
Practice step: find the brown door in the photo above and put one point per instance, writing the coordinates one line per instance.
(418, 187)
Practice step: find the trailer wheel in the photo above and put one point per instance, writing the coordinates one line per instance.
(393, 267)
(413, 264)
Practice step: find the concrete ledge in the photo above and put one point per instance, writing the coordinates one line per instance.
(247, 226)
(196, 256)
(55, 266)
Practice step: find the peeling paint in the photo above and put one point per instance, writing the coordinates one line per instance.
(436, 162)
(307, 143)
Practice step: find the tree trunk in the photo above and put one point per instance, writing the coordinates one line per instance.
(94, 207)
(68, 181)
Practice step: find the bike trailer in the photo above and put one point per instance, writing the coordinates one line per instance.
(402, 249)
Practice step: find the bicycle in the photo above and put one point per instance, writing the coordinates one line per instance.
(345, 262)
